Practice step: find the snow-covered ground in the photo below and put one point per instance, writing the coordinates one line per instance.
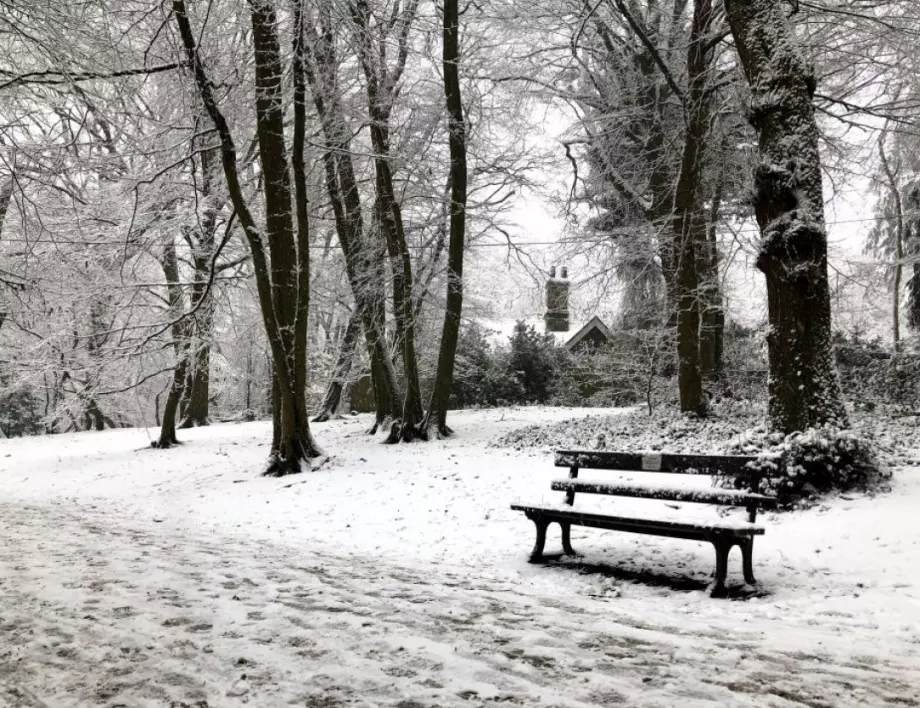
(397, 576)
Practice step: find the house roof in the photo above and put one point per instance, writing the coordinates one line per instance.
(503, 329)
(592, 324)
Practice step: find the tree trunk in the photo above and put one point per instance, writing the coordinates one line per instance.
(804, 390)
(170, 411)
(196, 399)
(458, 181)
(288, 247)
(689, 221)
(321, 68)
(712, 315)
(895, 193)
(380, 85)
(170, 264)
(282, 282)
(912, 252)
(341, 370)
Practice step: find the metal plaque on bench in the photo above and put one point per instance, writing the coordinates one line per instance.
(651, 463)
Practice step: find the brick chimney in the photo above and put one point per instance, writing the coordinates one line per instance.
(557, 301)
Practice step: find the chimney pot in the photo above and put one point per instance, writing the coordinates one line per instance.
(565, 273)
(552, 271)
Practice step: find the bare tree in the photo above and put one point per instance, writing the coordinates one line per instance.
(282, 271)
(362, 252)
(437, 409)
(372, 33)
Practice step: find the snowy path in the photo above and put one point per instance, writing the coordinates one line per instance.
(101, 610)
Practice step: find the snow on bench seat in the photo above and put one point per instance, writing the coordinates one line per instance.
(704, 495)
(698, 526)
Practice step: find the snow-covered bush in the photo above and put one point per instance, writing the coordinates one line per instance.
(800, 467)
(871, 377)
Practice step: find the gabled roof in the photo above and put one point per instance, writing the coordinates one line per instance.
(503, 329)
(592, 324)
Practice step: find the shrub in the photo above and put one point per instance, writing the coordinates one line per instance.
(871, 376)
(535, 360)
(481, 375)
(800, 467)
(20, 412)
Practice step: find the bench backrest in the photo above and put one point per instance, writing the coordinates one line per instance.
(726, 465)
(739, 467)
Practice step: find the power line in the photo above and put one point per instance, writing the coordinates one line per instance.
(495, 244)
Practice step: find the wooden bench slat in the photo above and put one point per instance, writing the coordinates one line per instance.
(694, 531)
(704, 495)
(732, 465)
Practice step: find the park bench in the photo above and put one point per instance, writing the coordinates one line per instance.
(721, 531)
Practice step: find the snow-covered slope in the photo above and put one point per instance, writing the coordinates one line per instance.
(397, 576)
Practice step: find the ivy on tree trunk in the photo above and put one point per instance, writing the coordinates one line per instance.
(804, 390)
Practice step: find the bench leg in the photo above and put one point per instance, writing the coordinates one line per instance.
(747, 560)
(567, 539)
(537, 554)
(723, 546)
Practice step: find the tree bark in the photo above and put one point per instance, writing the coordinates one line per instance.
(170, 264)
(360, 253)
(804, 390)
(458, 182)
(196, 399)
(895, 193)
(912, 245)
(281, 291)
(288, 247)
(689, 223)
(380, 84)
(712, 315)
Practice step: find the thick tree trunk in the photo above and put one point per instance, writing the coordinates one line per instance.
(458, 181)
(171, 408)
(95, 419)
(301, 211)
(288, 247)
(341, 370)
(689, 222)
(804, 390)
(196, 399)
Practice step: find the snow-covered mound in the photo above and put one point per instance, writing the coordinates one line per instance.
(733, 427)
(666, 430)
